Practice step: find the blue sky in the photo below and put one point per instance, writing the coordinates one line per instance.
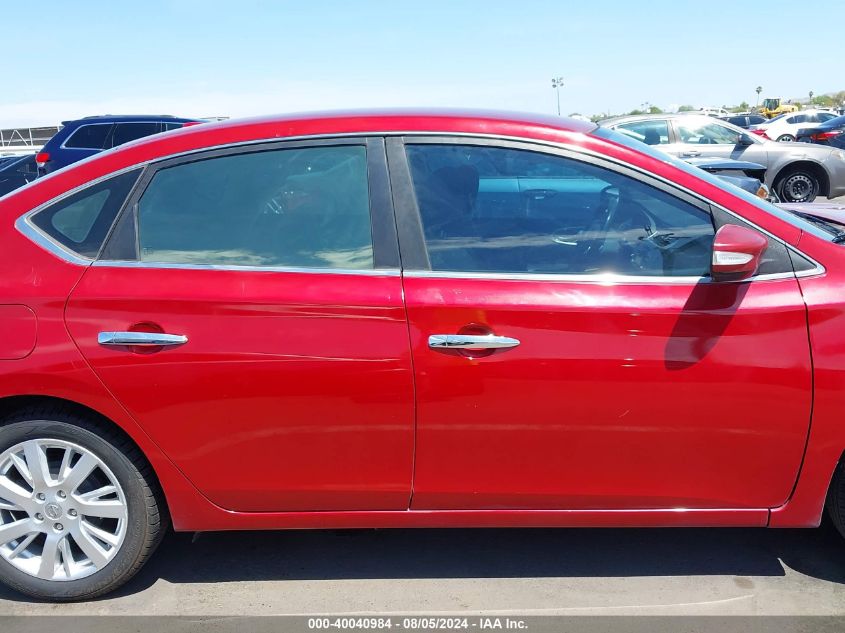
(203, 57)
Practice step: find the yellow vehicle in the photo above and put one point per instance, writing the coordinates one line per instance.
(775, 107)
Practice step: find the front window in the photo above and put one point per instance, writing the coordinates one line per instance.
(500, 210)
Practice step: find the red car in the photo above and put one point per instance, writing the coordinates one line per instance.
(404, 319)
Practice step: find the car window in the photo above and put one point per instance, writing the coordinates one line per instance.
(500, 210)
(125, 132)
(82, 220)
(649, 132)
(173, 126)
(306, 207)
(89, 137)
(826, 116)
(705, 133)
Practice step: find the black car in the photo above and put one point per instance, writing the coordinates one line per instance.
(16, 171)
(744, 120)
(831, 132)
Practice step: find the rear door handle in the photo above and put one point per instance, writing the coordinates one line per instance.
(141, 339)
(470, 341)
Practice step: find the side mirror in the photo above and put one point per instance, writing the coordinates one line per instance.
(736, 253)
(744, 140)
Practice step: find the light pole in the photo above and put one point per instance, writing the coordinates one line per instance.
(557, 82)
(758, 91)
(811, 98)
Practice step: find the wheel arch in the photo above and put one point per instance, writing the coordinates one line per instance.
(12, 405)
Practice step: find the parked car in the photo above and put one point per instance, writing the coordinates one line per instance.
(16, 171)
(579, 330)
(744, 120)
(784, 128)
(716, 112)
(796, 172)
(747, 176)
(85, 137)
(831, 132)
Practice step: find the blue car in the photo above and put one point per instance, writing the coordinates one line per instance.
(85, 137)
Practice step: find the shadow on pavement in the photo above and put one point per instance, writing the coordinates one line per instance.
(489, 553)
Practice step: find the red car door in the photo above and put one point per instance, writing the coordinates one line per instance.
(570, 350)
(247, 311)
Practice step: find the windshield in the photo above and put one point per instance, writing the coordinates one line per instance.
(796, 220)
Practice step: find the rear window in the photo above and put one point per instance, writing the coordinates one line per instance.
(81, 221)
(89, 137)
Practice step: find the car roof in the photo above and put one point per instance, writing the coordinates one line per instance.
(125, 118)
(665, 115)
(394, 121)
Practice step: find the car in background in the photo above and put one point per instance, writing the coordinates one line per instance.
(717, 112)
(784, 128)
(796, 172)
(831, 132)
(85, 137)
(16, 171)
(744, 120)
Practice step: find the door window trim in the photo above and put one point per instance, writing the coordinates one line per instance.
(412, 246)
(121, 248)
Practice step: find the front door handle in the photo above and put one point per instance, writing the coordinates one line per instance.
(691, 154)
(141, 339)
(471, 341)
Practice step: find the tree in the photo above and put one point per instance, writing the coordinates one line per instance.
(654, 110)
(686, 108)
(758, 90)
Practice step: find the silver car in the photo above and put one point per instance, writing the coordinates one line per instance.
(797, 172)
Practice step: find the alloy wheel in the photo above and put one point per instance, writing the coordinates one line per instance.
(63, 513)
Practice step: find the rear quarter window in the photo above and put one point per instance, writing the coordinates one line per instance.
(81, 221)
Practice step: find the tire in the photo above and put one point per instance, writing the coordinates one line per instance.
(786, 138)
(798, 184)
(836, 498)
(127, 523)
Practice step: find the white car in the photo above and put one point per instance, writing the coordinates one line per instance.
(784, 128)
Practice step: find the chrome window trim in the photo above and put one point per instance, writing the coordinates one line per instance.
(601, 279)
(25, 227)
(370, 272)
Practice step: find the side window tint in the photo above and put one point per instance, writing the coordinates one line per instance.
(305, 207)
(648, 132)
(528, 212)
(125, 132)
(89, 136)
(81, 221)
